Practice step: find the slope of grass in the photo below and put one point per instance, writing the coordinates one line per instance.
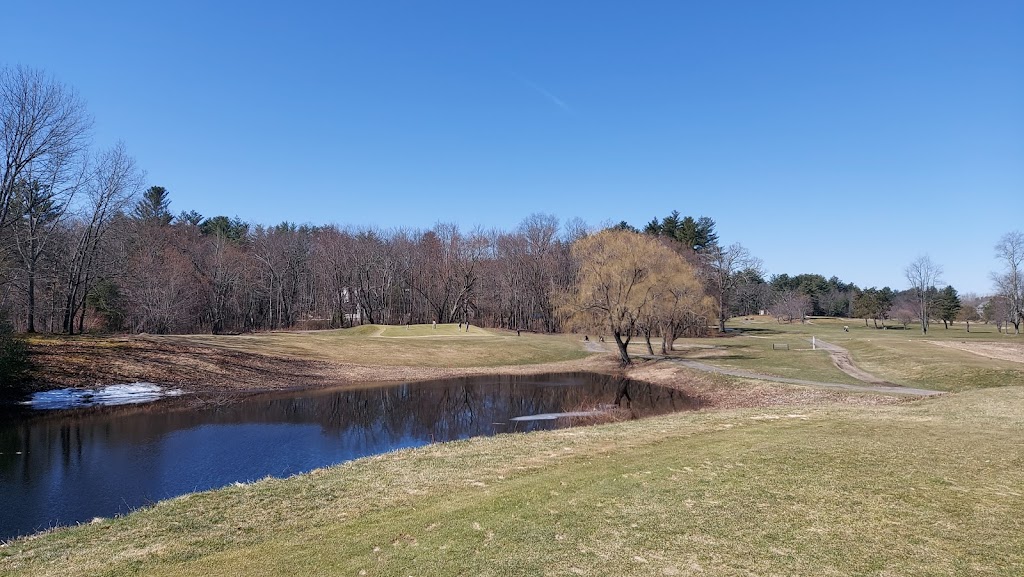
(416, 345)
(757, 354)
(906, 357)
(931, 487)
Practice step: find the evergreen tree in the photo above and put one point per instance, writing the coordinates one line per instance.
(697, 234)
(623, 225)
(154, 206)
(947, 305)
(234, 229)
(191, 217)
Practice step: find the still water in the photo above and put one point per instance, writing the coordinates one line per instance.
(66, 467)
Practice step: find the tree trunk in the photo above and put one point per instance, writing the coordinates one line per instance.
(668, 337)
(623, 393)
(31, 298)
(623, 353)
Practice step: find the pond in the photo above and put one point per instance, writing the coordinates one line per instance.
(70, 466)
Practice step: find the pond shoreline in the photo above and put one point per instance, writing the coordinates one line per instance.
(61, 467)
(213, 374)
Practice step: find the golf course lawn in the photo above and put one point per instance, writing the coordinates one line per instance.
(416, 345)
(926, 487)
(944, 360)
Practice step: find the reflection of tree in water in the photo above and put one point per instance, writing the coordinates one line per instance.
(430, 411)
(49, 448)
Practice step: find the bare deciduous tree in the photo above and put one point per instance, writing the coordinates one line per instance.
(905, 308)
(791, 304)
(969, 309)
(923, 275)
(43, 130)
(723, 267)
(113, 184)
(1010, 282)
(38, 210)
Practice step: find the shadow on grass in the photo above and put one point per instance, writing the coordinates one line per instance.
(735, 357)
(753, 331)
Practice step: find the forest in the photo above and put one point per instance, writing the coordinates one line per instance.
(87, 245)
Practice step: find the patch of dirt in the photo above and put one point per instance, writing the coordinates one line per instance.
(1003, 351)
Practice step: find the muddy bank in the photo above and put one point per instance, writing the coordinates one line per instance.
(91, 362)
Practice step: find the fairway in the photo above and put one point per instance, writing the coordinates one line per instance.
(445, 345)
(929, 487)
(941, 360)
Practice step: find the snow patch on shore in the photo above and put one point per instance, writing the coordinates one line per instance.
(125, 394)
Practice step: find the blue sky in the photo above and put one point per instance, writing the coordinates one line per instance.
(836, 138)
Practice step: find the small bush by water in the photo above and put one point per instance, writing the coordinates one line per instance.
(14, 362)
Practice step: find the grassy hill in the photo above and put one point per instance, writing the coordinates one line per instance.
(929, 486)
(416, 345)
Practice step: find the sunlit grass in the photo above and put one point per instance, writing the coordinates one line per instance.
(903, 357)
(416, 345)
(930, 487)
(766, 356)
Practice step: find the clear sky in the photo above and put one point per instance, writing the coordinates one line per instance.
(841, 138)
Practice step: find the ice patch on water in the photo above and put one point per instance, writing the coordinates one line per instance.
(125, 394)
(553, 416)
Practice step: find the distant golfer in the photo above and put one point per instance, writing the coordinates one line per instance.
(435, 325)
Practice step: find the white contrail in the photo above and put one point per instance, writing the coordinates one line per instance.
(546, 94)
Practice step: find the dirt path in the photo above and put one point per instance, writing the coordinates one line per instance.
(842, 360)
(888, 389)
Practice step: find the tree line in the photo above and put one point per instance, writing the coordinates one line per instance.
(85, 246)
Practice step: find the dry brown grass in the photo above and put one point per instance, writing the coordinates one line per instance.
(723, 392)
(1013, 351)
(929, 487)
(273, 361)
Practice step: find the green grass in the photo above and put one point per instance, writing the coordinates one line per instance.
(906, 357)
(755, 354)
(416, 345)
(920, 364)
(931, 487)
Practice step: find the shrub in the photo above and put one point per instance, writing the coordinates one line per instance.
(13, 361)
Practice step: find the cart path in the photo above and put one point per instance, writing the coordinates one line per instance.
(842, 360)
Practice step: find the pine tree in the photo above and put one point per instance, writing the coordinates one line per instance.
(154, 206)
(948, 305)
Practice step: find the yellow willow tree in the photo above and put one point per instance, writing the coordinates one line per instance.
(622, 276)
